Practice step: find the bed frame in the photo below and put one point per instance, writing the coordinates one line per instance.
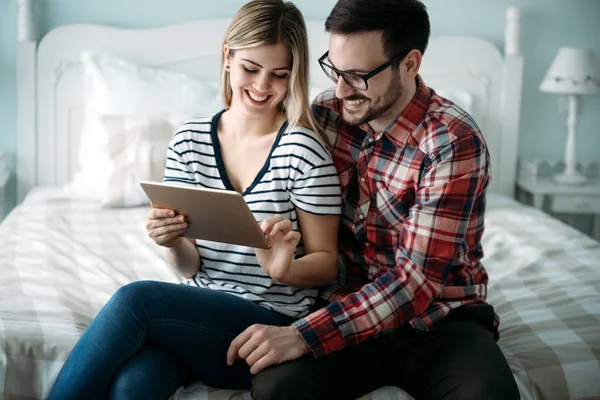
(50, 100)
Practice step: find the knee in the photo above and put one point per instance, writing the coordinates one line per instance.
(132, 292)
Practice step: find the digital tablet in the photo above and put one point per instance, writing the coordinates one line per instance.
(212, 214)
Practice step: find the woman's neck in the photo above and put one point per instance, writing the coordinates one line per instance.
(238, 124)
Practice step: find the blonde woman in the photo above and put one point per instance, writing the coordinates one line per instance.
(153, 337)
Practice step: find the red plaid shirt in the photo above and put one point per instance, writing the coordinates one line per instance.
(410, 234)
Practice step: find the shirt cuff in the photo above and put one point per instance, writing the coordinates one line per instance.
(320, 332)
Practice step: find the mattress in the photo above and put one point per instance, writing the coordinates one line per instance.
(62, 257)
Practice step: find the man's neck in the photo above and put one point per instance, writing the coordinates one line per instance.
(381, 123)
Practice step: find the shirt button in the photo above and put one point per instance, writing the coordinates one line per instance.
(367, 244)
(362, 179)
(361, 216)
(369, 140)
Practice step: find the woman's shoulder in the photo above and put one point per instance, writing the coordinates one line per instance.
(191, 127)
(301, 137)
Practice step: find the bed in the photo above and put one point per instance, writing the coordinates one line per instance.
(65, 250)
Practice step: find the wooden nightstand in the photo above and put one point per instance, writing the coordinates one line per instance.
(536, 187)
(4, 175)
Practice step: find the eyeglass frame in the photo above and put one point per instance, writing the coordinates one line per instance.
(364, 77)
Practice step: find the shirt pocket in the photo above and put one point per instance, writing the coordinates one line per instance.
(391, 207)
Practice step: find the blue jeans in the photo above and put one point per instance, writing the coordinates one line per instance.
(153, 337)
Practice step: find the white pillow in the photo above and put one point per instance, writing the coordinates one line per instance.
(460, 97)
(113, 86)
(137, 150)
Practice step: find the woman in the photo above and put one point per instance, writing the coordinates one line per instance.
(153, 337)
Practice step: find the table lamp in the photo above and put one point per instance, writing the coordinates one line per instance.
(573, 72)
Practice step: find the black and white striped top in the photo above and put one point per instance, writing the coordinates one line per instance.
(298, 173)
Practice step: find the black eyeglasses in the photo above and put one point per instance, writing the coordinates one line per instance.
(357, 81)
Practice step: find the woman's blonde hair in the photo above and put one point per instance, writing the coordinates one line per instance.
(269, 22)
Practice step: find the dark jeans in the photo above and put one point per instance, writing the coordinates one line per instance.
(152, 337)
(458, 360)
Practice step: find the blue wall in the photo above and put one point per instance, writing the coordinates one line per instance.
(547, 25)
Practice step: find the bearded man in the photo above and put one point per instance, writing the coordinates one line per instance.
(409, 305)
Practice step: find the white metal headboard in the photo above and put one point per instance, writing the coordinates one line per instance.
(50, 100)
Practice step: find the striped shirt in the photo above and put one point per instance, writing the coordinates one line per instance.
(298, 173)
(412, 221)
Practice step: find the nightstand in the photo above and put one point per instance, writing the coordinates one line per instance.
(4, 175)
(536, 187)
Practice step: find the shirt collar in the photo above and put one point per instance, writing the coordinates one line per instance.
(412, 115)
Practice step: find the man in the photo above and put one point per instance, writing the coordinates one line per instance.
(409, 307)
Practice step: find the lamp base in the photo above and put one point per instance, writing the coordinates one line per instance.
(572, 178)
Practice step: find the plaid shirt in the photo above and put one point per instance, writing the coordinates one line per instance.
(410, 234)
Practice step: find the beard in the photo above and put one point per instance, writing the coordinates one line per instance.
(375, 110)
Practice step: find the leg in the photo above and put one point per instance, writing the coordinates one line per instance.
(346, 374)
(458, 360)
(153, 372)
(195, 325)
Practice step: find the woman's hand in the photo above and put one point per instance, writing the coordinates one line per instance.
(277, 260)
(164, 227)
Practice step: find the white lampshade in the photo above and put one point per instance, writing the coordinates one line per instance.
(573, 71)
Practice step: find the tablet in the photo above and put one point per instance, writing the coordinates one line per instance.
(212, 214)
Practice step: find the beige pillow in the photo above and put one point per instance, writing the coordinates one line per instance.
(137, 149)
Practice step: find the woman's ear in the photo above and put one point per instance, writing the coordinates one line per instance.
(227, 57)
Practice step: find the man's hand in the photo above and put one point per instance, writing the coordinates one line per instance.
(262, 346)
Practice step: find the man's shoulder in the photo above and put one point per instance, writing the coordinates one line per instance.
(446, 123)
(326, 102)
(327, 110)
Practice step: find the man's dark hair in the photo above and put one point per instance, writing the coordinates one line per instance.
(404, 23)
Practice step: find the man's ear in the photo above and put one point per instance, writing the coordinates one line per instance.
(411, 64)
